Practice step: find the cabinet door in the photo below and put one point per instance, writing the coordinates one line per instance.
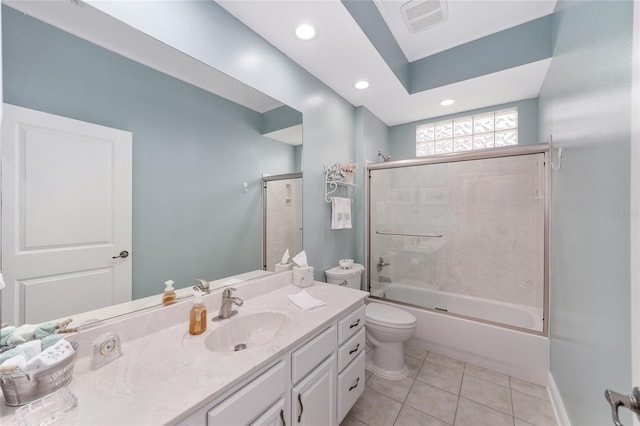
(314, 398)
(274, 416)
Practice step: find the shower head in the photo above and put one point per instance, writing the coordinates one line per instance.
(384, 156)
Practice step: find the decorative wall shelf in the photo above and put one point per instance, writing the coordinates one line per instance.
(334, 179)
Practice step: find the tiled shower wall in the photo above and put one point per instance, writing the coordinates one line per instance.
(490, 213)
(283, 222)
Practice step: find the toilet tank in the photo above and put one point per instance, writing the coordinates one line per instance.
(348, 277)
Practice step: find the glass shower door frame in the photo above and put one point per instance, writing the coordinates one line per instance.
(539, 148)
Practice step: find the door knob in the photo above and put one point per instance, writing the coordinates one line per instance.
(617, 400)
(123, 255)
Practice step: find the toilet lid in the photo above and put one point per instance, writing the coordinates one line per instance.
(385, 314)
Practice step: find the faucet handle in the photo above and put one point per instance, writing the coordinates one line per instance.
(227, 292)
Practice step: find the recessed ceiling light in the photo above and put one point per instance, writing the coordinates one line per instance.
(305, 32)
(447, 102)
(362, 84)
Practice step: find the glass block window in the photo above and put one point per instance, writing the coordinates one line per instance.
(481, 131)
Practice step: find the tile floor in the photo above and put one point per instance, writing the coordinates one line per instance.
(444, 391)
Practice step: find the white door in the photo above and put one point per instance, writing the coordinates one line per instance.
(66, 216)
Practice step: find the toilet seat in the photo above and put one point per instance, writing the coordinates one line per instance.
(388, 316)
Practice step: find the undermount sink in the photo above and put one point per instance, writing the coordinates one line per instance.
(246, 332)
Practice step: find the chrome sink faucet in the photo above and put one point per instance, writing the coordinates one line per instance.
(227, 304)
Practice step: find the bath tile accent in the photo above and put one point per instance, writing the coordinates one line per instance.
(415, 352)
(532, 410)
(539, 392)
(433, 401)
(375, 409)
(412, 417)
(440, 377)
(395, 389)
(486, 393)
(413, 364)
(352, 421)
(486, 374)
(474, 414)
(445, 361)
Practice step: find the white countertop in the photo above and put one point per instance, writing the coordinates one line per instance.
(166, 374)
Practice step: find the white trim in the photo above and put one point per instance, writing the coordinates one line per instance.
(556, 401)
(635, 203)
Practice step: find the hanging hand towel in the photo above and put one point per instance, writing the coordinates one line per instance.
(340, 213)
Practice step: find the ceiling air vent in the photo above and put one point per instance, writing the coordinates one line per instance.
(419, 15)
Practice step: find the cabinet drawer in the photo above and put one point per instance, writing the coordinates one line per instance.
(252, 400)
(313, 353)
(350, 386)
(351, 324)
(351, 349)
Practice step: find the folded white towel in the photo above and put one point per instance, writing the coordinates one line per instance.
(340, 213)
(305, 301)
(51, 355)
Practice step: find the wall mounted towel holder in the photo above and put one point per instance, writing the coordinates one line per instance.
(334, 179)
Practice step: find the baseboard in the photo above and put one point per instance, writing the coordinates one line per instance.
(556, 402)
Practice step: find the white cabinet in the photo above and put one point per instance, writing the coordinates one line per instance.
(313, 400)
(246, 405)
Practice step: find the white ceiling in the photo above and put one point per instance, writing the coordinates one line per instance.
(467, 21)
(341, 54)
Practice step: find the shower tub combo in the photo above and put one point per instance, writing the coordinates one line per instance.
(461, 243)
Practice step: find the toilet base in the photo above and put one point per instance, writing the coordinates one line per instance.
(387, 374)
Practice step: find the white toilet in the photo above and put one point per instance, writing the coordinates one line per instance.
(387, 327)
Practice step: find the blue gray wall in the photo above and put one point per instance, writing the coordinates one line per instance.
(585, 105)
(203, 30)
(191, 151)
(372, 135)
(402, 138)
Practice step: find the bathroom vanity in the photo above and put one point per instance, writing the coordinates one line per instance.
(299, 367)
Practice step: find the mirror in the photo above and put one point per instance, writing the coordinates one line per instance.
(198, 158)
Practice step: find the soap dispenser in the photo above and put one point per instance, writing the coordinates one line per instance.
(198, 314)
(169, 296)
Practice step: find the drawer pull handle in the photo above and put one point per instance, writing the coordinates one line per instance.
(301, 407)
(354, 386)
(354, 349)
(282, 418)
(355, 324)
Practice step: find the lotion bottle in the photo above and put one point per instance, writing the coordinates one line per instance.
(169, 296)
(198, 314)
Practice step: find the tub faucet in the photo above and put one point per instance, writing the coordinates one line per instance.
(381, 264)
(227, 304)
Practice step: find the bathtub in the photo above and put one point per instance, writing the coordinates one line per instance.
(485, 309)
(509, 351)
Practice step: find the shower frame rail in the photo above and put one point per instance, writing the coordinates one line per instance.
(402, 234)
(481, 154)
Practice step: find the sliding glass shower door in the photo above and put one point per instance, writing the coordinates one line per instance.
(463, 237)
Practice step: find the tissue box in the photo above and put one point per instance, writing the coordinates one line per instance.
(279, 267)
(303, 277)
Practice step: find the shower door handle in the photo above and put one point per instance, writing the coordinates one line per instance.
(617, 400)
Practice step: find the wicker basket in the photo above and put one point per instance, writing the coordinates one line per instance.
(21, 387)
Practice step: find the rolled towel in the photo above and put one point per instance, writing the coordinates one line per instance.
(11, 353)
(49, 356)
(32, 348)
(51, 340)
(305, 301)
(18, 361)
